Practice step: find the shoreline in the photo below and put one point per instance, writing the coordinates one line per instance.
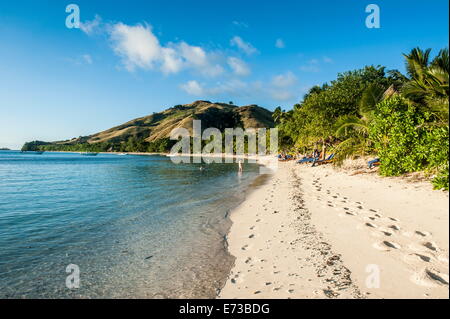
(320, 233)
(264, 160)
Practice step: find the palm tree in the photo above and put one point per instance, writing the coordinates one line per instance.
(416, 62)
(279, 116)
(354, 129)
(428, 82)
(276, 115)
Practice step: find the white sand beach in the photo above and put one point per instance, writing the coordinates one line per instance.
(322, 233)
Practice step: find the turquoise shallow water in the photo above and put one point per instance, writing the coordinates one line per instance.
(136, 226)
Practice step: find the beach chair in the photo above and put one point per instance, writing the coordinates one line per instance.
(374, 163)
(306, 160)
(328, 160)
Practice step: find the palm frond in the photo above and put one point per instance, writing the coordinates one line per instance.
(350, 123)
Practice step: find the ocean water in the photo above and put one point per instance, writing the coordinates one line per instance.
(136, 226)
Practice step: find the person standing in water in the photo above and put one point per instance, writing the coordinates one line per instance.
(240, 166)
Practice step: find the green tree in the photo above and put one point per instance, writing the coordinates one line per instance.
(353, 130)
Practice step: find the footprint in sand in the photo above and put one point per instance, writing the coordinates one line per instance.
(422, 233)
(418, 257)
(391, 244)
(430, 278)
(394, 227)
(386, 245)
(381, 234)
(236, 279)
(430, 245)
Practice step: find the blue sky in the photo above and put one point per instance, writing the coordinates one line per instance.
(133, 58)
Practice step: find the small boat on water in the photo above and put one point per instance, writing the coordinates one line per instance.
(88, 153)
(122, 154)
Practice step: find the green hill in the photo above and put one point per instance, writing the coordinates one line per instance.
(151, 133)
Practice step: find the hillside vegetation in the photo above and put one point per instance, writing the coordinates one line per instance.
(151, 133)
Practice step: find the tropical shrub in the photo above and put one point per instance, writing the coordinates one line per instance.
(441, 180)
(403, 140)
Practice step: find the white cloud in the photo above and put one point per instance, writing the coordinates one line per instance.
(279, 43)
(247, 47)
(192, 88)
(92, 26)
(198, 58)
(171, 62)
(140, 48)
(238, 66)
(193, 54)
(137, 46)
(284, 80)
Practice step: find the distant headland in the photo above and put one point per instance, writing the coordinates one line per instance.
(151, 133)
